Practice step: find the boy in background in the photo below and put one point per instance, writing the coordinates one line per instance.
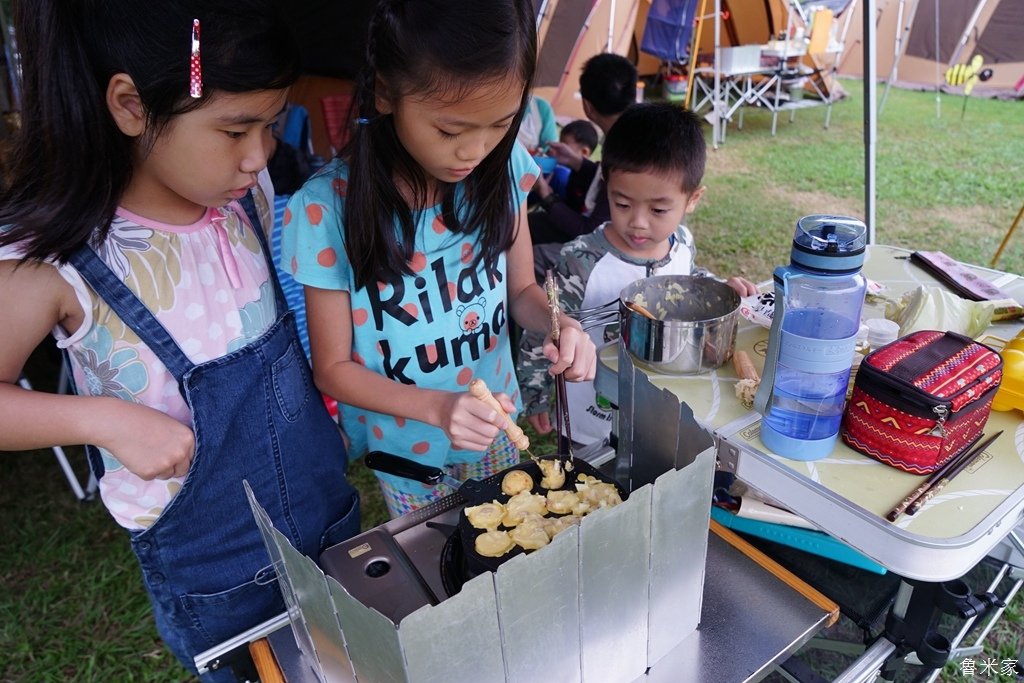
(581, 137)
(607, 88)
(653, 162)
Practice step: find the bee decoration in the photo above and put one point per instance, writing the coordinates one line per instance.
(967, 75)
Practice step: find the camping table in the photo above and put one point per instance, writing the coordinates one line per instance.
(847, 494)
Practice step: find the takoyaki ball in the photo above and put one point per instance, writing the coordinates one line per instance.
(554, 475)
(596, 493)
(530, 534)
(493, 543)
(485, 515)
(516, 481)
(556, 525)
(522, 503)
(561, 502)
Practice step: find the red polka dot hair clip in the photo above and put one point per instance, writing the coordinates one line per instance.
(195, 74)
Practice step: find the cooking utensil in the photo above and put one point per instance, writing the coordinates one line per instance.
(475, 492)
(478, 388)
(563, 428)
(694, 325)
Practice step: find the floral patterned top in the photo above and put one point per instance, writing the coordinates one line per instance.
(208, 283)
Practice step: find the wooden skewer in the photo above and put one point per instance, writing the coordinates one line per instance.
(478, 388)
(634, 306)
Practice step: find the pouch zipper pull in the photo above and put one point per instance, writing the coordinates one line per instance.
(941, 413)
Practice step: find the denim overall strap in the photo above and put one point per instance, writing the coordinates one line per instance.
(249, 206)
(258, 417)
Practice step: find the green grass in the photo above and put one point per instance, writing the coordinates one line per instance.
(72, 606)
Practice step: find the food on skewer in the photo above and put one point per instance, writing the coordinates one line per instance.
(554, 474)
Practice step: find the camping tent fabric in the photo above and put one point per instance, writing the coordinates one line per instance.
(668, 29)
(996, 36)
(570, 33)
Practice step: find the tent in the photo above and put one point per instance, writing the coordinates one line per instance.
(670, 24)
(916, 55)
(569, 33)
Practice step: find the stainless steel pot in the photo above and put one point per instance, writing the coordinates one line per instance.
(693, 329)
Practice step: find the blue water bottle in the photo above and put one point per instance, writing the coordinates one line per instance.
(818, 299)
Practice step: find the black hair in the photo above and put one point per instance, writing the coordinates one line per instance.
(660, 138)
(440, 48)
(608, 82)
(583, 132)
(70, 163)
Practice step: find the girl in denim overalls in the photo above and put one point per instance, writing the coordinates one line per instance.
(413, 243)
(144, 126)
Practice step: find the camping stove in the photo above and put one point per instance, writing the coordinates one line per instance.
(406, 563)
(386, 606)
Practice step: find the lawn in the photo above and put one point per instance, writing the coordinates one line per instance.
(72, 606)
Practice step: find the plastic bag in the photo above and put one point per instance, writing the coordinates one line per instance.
(935, 308)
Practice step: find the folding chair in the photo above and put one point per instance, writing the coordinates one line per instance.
(811, 68)
(89, 492)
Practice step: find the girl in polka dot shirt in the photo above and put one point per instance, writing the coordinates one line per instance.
(413, 245)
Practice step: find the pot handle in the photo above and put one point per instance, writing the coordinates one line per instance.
(404, 467)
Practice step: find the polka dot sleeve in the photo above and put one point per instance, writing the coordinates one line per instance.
(524, 174)
(312, 242)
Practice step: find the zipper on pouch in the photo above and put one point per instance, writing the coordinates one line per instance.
(941, 413)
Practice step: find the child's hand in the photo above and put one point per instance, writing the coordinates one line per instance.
(565, 155)
(742, 286)
(541, 423)
(575, 354)
(147, 442)
(471, 424)
(542, 187)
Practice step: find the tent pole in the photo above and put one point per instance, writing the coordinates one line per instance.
(716, 106)
(901, 32)
(870, 118)
(938, 76)
(611, 27)
(694, 47)
(965, 36)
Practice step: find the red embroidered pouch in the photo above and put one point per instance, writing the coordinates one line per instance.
(920, 400)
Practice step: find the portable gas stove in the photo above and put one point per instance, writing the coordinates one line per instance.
(380, 606)
(416, 559)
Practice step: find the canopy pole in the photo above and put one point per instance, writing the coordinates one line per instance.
(870, 117)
